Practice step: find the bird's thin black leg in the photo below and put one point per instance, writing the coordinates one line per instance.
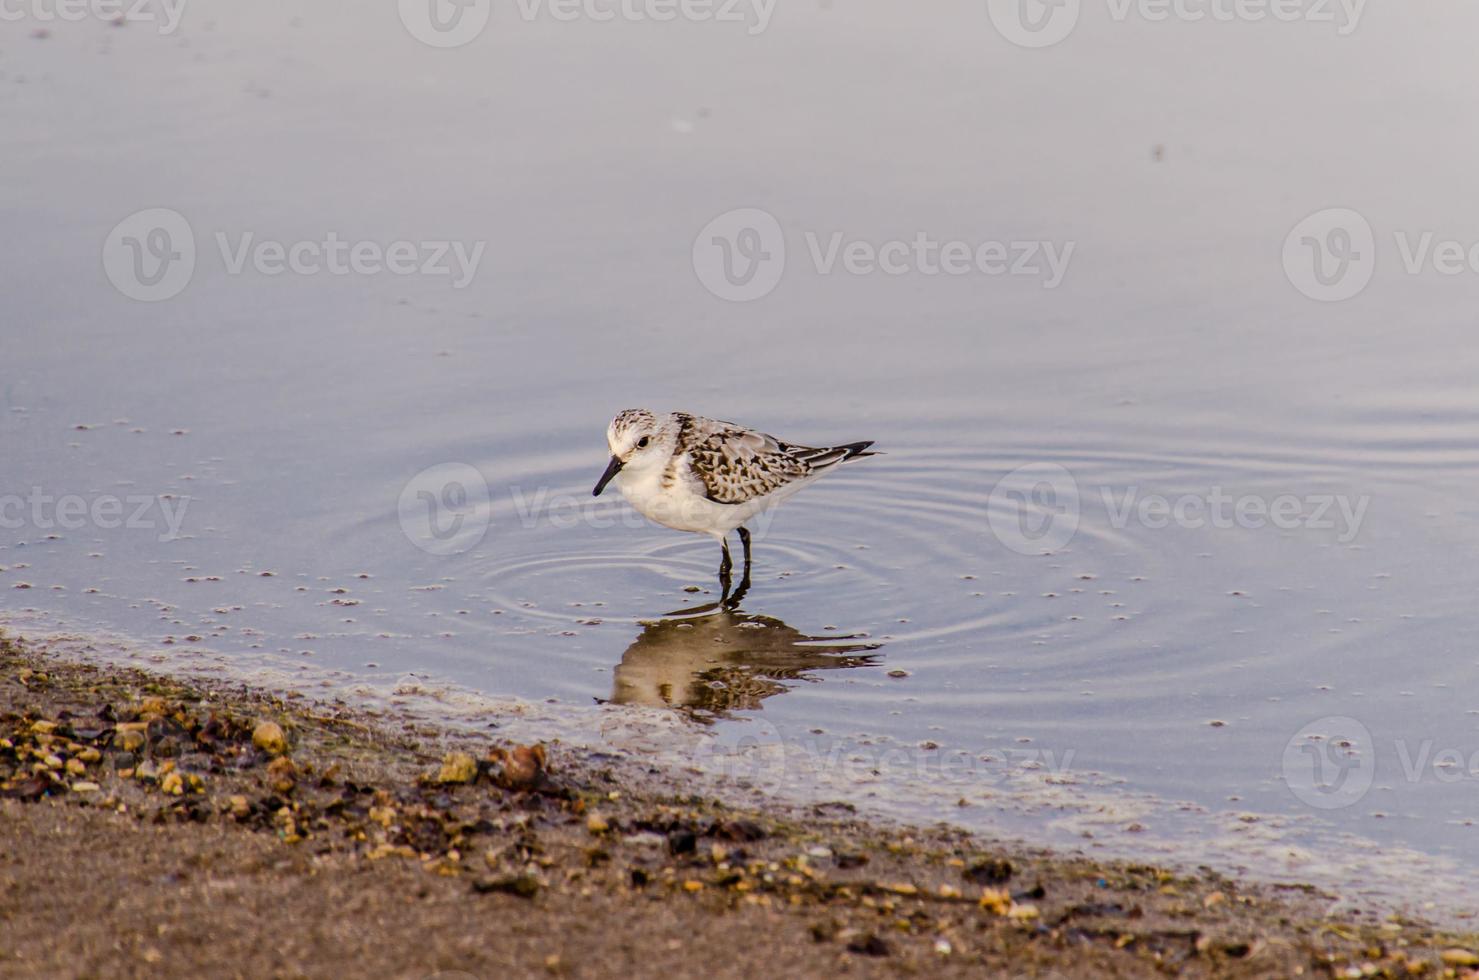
(726, 564)
(744, 585)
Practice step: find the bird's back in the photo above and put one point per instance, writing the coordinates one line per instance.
(736, 464)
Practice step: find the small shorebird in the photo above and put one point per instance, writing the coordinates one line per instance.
(690, 473)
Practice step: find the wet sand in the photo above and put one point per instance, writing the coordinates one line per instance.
(154, 827)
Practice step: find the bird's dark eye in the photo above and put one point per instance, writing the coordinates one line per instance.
(642, 442)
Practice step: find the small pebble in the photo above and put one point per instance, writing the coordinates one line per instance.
(458, 767)
(269, 737)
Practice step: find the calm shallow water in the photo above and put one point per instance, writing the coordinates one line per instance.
(1180, 664)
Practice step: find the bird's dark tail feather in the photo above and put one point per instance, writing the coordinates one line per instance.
(856, 449)
(829, 456)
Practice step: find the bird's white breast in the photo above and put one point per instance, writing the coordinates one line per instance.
(677, 505)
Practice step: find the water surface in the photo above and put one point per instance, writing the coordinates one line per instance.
(1172, 673)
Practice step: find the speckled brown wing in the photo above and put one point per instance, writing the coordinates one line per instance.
(735, 464)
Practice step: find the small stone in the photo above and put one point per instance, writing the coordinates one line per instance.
(897, 674)
(519, 768)
(1460, 957)
(524, 886)
(458, 767)
(172, 784)
(596, 824)
(86, 787)
(268, 736)
(988, 871)
(284, 775)
(869, 945)
(240, 808)
(996, 900)
(693, 886)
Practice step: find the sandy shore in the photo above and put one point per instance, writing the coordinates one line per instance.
(154, 827)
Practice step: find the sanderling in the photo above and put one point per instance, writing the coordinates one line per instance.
(690, 473)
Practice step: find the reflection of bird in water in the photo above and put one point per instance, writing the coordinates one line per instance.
(725, 661)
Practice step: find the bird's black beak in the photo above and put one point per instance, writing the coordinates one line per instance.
(612, 468)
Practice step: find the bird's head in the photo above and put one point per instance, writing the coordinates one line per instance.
(639, 441)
